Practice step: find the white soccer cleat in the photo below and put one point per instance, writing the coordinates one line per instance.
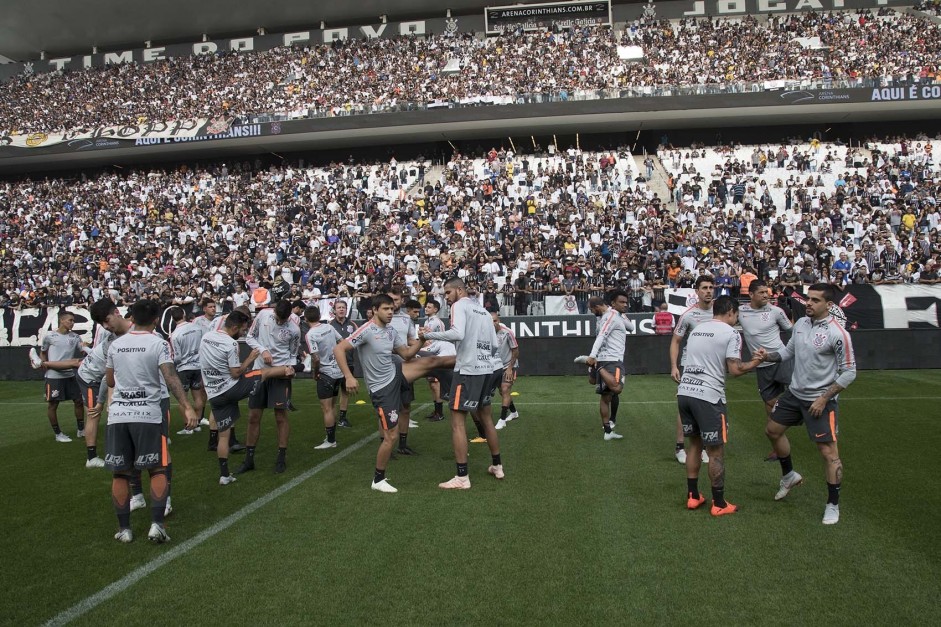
(204, 422)
(227, 480)
(61, 437)
(496, 471)
(168, 509)
(124, 535)
(513, 415)
(581, 359)
(325, 445)
(95, 462)
(704, 457)
(138, 502)
(34, 359)
(831, 515)
(412, 424)
(456, 483)
(157, 534)
(611, 435)
(80, 433)
(681, 455)
(186, 432)
(500, 424)
(383, 486)
(788, 482)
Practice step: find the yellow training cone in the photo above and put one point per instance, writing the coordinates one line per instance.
(514, 393)
(360, 402)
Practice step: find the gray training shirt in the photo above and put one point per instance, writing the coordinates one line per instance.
(323, 338)
(762, 328)
(611, 342)
(688, 321)
(136, 358)
(217, 353)
(473, 333)
(61, 347)
(704, 369)
(92, 368)
(185, 344)
(281, 340)
(374, 345)
(823, 354)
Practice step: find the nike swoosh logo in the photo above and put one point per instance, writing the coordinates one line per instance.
(819, 435)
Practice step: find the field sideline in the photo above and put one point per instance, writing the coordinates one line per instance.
(581, 531)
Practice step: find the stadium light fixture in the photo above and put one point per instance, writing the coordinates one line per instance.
(261, 31)
(205, 37)
(147, 44)
(94, 49)
(384, 18)
(323, 25)
(448, 13)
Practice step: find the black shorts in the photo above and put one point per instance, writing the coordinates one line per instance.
(328, 387)
(388, 400)
(62, 390)
(614, 367)
(191, 379)
(272, 394)
(492, 386)
(94, 393)
(130, 445)
(774, 379)
(791, 411)
(225, 407)
(707, 420)
(468, 391)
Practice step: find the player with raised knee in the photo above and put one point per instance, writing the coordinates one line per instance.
(508, 350)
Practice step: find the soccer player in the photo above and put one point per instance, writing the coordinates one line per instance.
(508, 350)
(824, 366)
(228, 380)
(138, 366)
(607, 356)
(386, 377)
(184, 343)
(344, 326)
(476, 341)
(434, 323)
(713, 349)
(320, 340)
(695, 315)
(277, 340)
(762, 324)
(404, 325)
(62, 345)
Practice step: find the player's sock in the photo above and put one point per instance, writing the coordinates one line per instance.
(462, 470)
(56, 429)
(786, 465)
(223, 466)
(282, 453)
(214, 437)
(496, 459)
(91, 452)
(512, 406)
(249, 454)
(718, 496)
(136, 484)
(342, 414)
(615, 402)
(833, 493)
(159, 492)
(403, 440)
(121, 499)
(679, 446)
(692, 487)
(480, 429)
(80, 422)
(332, 434)
(232, 439)
(439, 407)
(379, 476)
(169, 478)
(607, 427)
(504, 412)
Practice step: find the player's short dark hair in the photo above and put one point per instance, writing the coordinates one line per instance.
(63, 313)
(412, 304)
(723, 305)
(208, 300)
(704, 278)
(493, 309)
(145, 312)
(236, 318)
(457, 282)
(395, 289)
(756, 285)
(594, 301)
(312, 314)
(613, 295)
(298, 304)
(101, 309)
(381, 299)
(177, 313)
(433, 303)
(282, 310)
(829, 293)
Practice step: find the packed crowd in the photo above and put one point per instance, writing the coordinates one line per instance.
(363, 76)
(515, 227)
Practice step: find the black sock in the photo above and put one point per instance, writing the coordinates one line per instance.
(282, 452)
(136, 484)
(462, 470)
(249, 454)
(718, 496)
(214, 437)
(615, 402)
(91, 451)
(81, 424)
(123, 512)
(232, 439)
(56, 429)
(169, 478)
(342, 414)
(786, 465)
(512, 406)
(496, 459)
(692, 487)
(332, 434)
(379, 476)
(224, 466)
(439, 407)
(679, 446)
(403, 440)
(833, 493)
(480, 429)
(504, 412)
(607, 427)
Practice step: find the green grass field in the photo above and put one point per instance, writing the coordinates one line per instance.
(581, 531)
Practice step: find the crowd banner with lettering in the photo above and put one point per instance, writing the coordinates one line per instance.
(547, 14)
(561, 306)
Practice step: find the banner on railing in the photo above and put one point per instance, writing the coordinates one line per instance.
(547, 14)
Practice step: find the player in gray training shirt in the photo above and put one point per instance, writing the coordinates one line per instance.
(714, 349)
(62, 345)
(185, 344)
(762, 324)
(824, 366)
(476, 340)
(508, 351)
(320, 341)
(386, 377)
(345, 327)
(434, 323)
(138, 365)
(404, 325)
(695, 315)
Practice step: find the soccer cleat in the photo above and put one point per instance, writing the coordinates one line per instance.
(611, 435)
(723, 511)
(456, 483)
(157, 534)
(500, 424)
(186, 432)
(80, 433)
(204, 422)
(383, 486)
(479, 440)
(95, 462)
(280, 466)
(344, 423)
(226, 480)
(404, 450)
(693, 502)
(214, 446)
(788, 482)
(435, 417)
(513, 415)
(247, 466)
(831, 515)
(34, 359)
(681, 455)
(704, 457)
(124, 535)
(581, 359)
(168, 509)
(61, 437)
(238, 447)
(412, 424)
(138, 502)
(325, 445)
(496, 471)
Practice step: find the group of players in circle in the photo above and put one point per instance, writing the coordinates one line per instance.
(133, 370)
(799, 382)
